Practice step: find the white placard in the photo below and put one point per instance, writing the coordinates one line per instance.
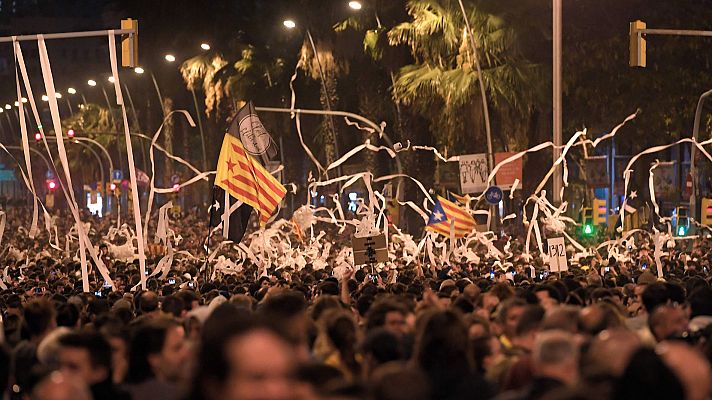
(473, 173)
(557, 255)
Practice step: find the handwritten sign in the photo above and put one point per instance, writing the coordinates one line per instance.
(557, 255)
(473, 173)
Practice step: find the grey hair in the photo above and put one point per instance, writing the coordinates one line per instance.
(554, 347)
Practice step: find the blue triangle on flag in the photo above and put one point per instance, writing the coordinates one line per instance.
(438, 214)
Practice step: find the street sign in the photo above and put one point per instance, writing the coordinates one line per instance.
(493, 195)
(369, 250)
(508, 173)
(557, 255)
(117, 175)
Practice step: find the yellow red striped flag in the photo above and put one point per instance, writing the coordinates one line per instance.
(247, 180)
(446, 211)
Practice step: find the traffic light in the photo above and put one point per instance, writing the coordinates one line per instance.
(637, 44)
(600, 212)
(706, 217)
(682, 221)
(70, 133)
(176, 187)
(129, 44)
(38, 136)
(51, 184)
(587, 221)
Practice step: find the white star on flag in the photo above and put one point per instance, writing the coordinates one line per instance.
(633, 194)
(438, 216)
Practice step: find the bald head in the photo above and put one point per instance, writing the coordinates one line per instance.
(611, 351)
(690, 367)
(148, 302)
(57, 386)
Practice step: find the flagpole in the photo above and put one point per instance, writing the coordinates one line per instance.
(207, 241)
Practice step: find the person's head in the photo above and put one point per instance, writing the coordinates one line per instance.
(57, 386)
(442, 343)
(393, 381)
(67, 315)
(148, 302)
(173, 305)
(241, 358)
(690, 367)
(598, 317)
(528, 326)
(700, 300)
(39, 317)
(387, 314)
(548, 296)
(379, 347)
(667, 321)
(647, 377)
(287, 310)
(611, 351)
(5, 363)
(157, 351)
(556, 356)
(86, 356)
(654, 295)
(508, 314)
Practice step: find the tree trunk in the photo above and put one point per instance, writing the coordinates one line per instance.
(168, 140)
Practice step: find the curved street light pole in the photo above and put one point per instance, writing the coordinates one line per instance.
(39, 153)
(693, 169)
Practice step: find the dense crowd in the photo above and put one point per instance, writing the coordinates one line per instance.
(608, 328)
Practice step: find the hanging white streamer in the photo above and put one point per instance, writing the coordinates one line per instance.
(131, 166)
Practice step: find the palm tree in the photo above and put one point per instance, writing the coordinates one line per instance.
(442, 82)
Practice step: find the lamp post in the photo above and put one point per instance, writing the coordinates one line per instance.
(483, 93)
(290, 24)
(556, 97)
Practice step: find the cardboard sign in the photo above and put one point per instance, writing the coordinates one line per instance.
(557, 255)
(369, 250)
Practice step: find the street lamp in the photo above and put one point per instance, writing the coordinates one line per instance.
(91, 82)
(72, 90)
(111, 79)
(45, 97)
(290, 24)
(58, 95)
(8, 107)
(355, 5)
(170, 57)
(139, 70)
(205, 46)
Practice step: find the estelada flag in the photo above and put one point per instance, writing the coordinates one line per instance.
(245, 179)
(445, 211)
(238, 220)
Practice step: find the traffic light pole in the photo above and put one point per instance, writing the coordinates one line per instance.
(693, 168)
(638, 59)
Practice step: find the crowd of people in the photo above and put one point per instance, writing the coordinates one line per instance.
(608, 328)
